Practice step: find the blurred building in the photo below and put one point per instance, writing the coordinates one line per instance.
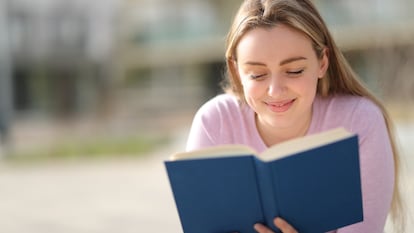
(146, 58)
(174, 50)
(377, 37)
(61, 53)
(5, 79)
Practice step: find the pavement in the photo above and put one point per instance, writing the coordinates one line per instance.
(97, 196)
(112, 195)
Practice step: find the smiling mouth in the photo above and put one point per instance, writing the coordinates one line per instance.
(280, 106)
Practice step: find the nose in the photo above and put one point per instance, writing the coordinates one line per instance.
(277, 86)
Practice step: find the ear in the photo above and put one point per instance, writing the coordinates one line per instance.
(323, 63)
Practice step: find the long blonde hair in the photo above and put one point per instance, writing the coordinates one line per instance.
(340, 78)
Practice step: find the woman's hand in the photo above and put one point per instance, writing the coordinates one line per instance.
(280, 223)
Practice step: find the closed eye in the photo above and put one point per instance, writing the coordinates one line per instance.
(295, 72)
(257, 76)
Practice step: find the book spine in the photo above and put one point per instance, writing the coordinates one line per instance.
(267, 192)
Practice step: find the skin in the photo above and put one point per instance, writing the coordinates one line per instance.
(279, 72)
(279, 223)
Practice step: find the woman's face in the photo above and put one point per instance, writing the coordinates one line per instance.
(279, 71)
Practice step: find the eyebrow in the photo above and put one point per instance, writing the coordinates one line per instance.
(284, 62)
(292, 59)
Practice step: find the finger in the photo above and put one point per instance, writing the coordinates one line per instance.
(284, 226)
(262, 228)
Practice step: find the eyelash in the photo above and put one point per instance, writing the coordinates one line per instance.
(291, 73)
(297, 72)
(257, 76)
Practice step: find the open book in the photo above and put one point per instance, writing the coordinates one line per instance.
(313, 182)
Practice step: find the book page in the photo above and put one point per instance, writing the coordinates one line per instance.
(304, 143)
(216, 151)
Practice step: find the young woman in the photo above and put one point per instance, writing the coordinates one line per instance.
(286, 79)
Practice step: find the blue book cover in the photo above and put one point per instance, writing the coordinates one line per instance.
(312, 182)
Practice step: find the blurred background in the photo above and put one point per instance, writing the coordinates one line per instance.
(94, 95)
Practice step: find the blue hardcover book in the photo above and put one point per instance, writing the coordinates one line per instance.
(313, 182)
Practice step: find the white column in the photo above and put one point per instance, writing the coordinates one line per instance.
(6, 104)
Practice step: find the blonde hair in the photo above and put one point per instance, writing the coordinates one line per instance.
(302, 16)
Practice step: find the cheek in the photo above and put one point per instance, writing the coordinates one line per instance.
(253, 89)
(308, 88)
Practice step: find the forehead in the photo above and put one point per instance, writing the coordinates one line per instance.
(277, 42)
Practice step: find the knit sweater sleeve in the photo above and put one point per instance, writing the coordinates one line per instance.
(224, 120)
(205, 127)
(377, 167)
(221, 120)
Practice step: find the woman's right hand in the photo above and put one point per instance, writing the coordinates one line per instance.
(284, 226)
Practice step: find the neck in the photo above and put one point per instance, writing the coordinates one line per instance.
(272, 135)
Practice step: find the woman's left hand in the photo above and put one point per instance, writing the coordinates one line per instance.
(284, 226)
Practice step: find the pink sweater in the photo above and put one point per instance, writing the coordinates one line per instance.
(222, 120)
